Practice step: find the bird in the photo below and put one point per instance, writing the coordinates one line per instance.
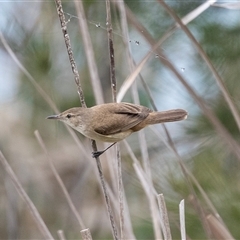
(113, 122)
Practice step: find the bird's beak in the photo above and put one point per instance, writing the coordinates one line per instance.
(57, 117)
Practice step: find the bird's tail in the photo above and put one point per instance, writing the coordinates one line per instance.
(166, 116)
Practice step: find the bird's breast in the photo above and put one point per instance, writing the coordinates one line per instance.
(116, 137)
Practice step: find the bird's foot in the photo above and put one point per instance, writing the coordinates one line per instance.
(97, 154)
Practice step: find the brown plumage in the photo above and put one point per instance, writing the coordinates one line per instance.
(112, 122)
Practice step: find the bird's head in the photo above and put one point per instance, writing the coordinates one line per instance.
(73, 116)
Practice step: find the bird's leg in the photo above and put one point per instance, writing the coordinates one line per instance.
(99, 153)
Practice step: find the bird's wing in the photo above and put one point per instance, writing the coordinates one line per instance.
(123, 117)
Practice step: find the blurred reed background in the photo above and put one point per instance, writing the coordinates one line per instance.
(194, 66)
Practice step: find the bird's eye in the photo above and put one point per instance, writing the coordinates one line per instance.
(69, 116)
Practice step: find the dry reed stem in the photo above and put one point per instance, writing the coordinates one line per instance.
(106, 195)
(128, 229)
(111, 50)
(147, 185)
(151, 197)
(69, 50)
(59, 180)
(195, 204)
(150, 194)
(32, 209)
(164, 217)
(61, 235)
(182, 219)
(114, 202)
(86, 234)
(196, 12)
(114, 97)
(93, 71)
(141, 135)
(232, 6)
(218, 79)
(131, 62)
(120, 195)
(219, 231)
(131, 78)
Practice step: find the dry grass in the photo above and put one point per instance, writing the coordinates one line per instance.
(109, 184)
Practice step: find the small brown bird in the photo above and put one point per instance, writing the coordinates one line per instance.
(112, 122)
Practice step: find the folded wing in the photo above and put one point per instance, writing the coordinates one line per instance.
(123, 117)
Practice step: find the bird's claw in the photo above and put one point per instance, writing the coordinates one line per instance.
(97, 154)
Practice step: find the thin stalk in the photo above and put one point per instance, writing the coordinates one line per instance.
(86, 234)
(149, 191)
(164, 217)
(59, 180)
(61, 235)
(151, 196)
(93, 71)
(114, 97)
(111, 50)
(33, 210)
(202, 53)
(105, 193)
(182, 219)
(69, 50)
